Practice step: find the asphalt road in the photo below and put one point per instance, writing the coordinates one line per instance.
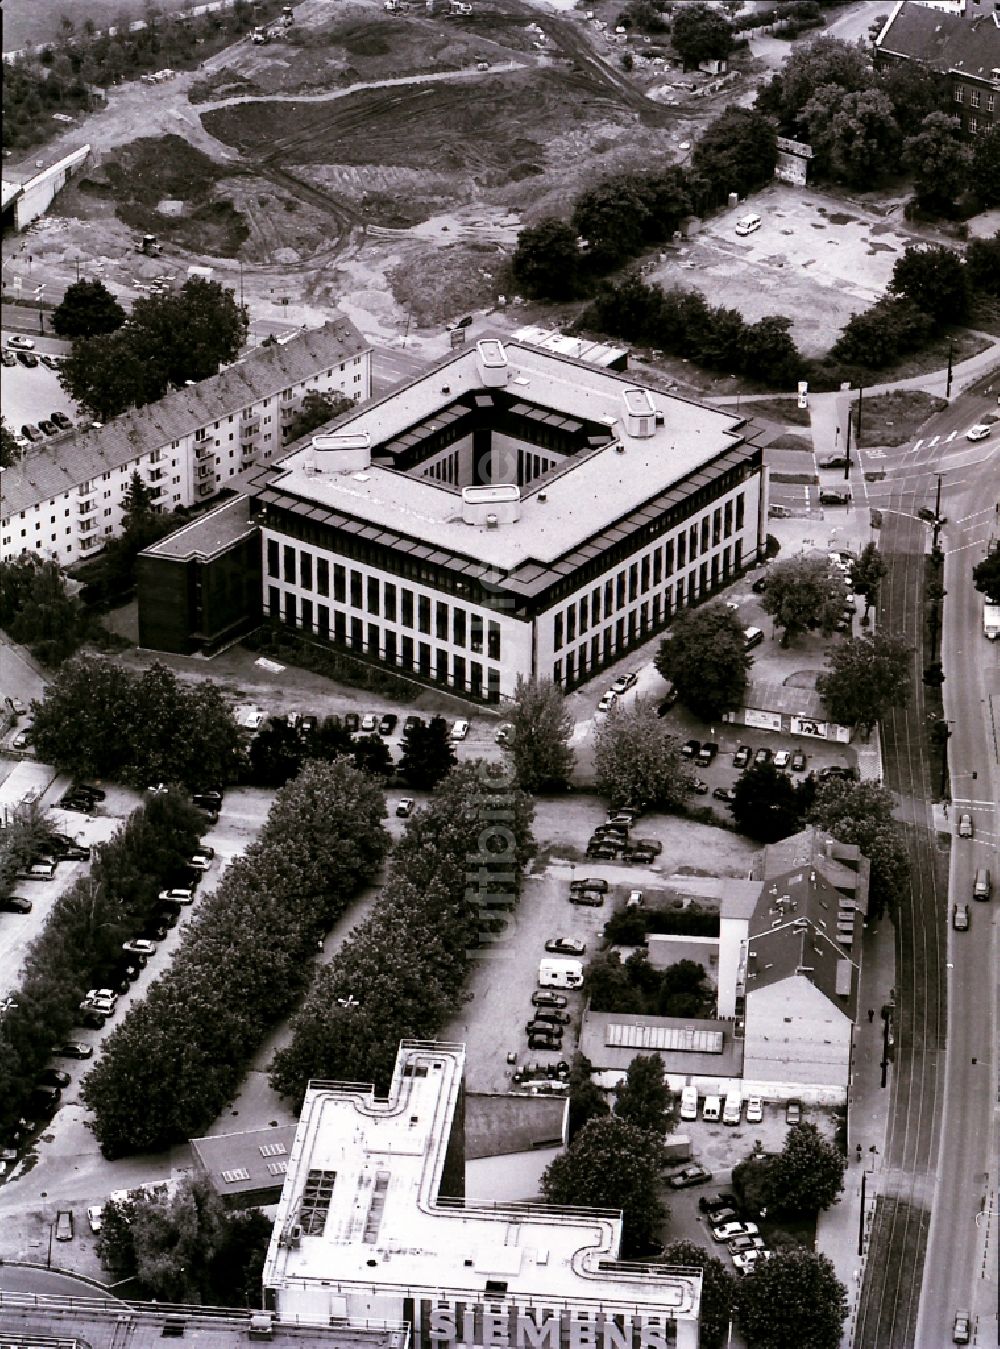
(923, 1114)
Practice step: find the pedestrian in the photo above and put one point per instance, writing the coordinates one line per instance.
(946, 810)
(871, 1015)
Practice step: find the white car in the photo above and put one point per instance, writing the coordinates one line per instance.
(95, 1216)
(745, 1262)
(734, 1229)
(978, 432)
(139, 946)
(200, 862)
(369, 722)
(179, 895)
(460, 730)
(608, 701)
(755, 1110)
(782, 758)
(22, 343)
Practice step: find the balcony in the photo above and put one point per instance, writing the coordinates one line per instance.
(85, 508)
(88, 526)
(204, 472)
(89, 541)
(204, 449)
(249, 426)
(205, 489)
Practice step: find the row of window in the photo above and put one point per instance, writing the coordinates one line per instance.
(974, 98)
(648, 572)
(604, 647)
(447, 668)
(377, 598)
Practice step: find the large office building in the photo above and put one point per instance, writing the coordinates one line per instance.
(510, 512)
(64, 499)
(373, 1227)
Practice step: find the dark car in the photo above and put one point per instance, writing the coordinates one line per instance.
(8, 358)
(44, 1100)
(554, 1018)
(639, 856)
(707, 753)
(690, 748)
(388, 724)
(73, 1049)
(742, 756)
(691, 1175)
(835, 461)
(53, 1077)
(762, 756)
(48, 428)
(612, 831)
(28, 358)
(652, 845)
(798, 761)
(90, 1018)
(308, 723)
(699, 786)
(70, 852)
(836, 771)
(667, 704)
(98, 793)
(591, 883)
(538, 1041)
(210, 800)
(157, 928)
(352, 722)
(587, 898)
(15, 904)
(169, 910)
(122, 974)
(48, 361)
(727, 794)
(412, 722)
(544, 997)
(30, 432)
(74, 801)
(760, 585)
(61, 420)
(603, 850)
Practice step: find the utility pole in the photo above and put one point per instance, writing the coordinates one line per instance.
(951, 353)
(937, 516)
(847, 449)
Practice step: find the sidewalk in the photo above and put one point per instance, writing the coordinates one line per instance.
(868, 1108)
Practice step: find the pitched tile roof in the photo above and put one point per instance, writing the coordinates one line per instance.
(67, 460)
(946, 42)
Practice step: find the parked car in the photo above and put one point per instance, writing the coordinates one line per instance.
(730, 1230)
(54, 1077)
(201, 861)
(210, 800)
(15, 904)
(740, 1245)
(412, 722)
(745, 1262)
(8, 358)
(505, 734)
(369, 723)
(782, 758)
(460, 729)
(61, 420)
(965, 826)
(538, 1027)
(836, 771)
(612, 830)
(691, 1175)
(978, 432)
(537, 1040)
(566, 946)
(553, 1016)
(602, 850)
(20, 343)
(707, 753)
(608, 700)
(668, 703)
(64, 1225)
(699, 786)
(591, 883)
(404, 807)
(23, 738)
(762, 756)
(652, 845)
(586, 898)
(834, 461)
(742, 756)
(544, 997)
(690, 749)
(387, 725)
(48, 428)
(755, 1110)
(634, 900)
(139, 946)
(961, 1328)
(960, 917)
(37, 871)
(95, 1217)
(793, 1112)
(89, 1017)
(625, 682)
(798, 761)
(28, 358)
(352, 722)
(74, 1049)
(181, 894)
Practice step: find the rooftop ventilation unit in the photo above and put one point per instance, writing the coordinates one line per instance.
(640, 414)
(491, 506)
(492, 362)
(347, 452)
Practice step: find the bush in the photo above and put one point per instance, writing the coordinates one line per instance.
(178, 1057)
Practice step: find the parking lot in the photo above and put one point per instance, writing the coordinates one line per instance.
(29, 395)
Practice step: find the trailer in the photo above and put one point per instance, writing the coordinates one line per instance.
(26, 782)
(991, 621)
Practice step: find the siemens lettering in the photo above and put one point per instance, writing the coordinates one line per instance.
(514, 1328)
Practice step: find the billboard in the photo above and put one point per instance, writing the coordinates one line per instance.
(504, 1326)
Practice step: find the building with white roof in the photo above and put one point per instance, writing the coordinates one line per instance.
(373, 1226)
(510, 512)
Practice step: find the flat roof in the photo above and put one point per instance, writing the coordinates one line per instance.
(590, 492)
(238, 1163)
(361, 1197)
(696, 1046)
(208, 535)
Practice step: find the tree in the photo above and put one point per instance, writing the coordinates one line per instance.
(933, 277)
(275, 754)
(868, 573)
(766, 806)
(915, 91)
(803, 592)
(586, 1100)
(939, 160)
(541, 731)
(88, 309)
(700, 34)
(768, 353)
(793, 1299)
(316, 410)
(867, 676)
(705, 658)
(982, 263)
(428, 754)
(644, 1098)
(612, 1164)
(853, 134)
(985, 171)
(862, 813)
(9, 450)
(718, 1290)
(37, 610)
(371, 755)
(108, 375)
(879, 335)
(986, 576)
(547, 258)
(613, 217)
(637, 761)
(736, 153)
(826, 61)
(808, 1173)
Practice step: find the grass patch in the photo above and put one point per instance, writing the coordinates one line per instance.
(893, 418)
(433, 286)
(789, 441)
(780, 410)
(933, 617)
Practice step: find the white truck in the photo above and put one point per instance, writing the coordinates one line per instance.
(991, 620)
(560, 974)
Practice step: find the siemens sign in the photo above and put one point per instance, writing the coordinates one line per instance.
(533, 1328)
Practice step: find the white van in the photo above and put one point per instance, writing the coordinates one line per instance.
(733, 1108)
(712, 1109)
(560, 974)
(689, 1103)
(747, 224)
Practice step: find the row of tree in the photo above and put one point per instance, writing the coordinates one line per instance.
(635, 987)
(101, 720)
(179, 1055)
(446, 901)
(84, 932)
(38, 611)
